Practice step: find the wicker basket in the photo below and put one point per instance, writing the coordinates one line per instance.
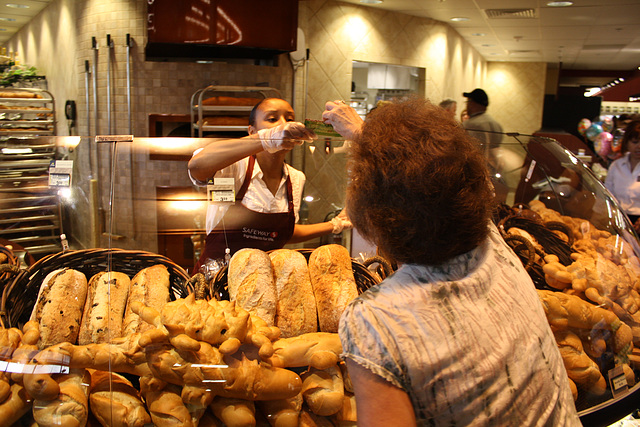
(20, 296)
(9, 269)
(364, 278)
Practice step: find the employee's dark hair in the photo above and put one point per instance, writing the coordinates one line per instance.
(254, 110)
(419, 186)
(631, 133)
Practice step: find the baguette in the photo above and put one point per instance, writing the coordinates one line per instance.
(166, 406)
(296, 305)
(59, 307)
(251, 284)
(333, 282)
(320, 350)
(115, 402)
(323, 390)
(151, 287)
(104, 308)
(70, 408)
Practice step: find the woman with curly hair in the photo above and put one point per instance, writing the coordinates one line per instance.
(623, 177)
(457, 335)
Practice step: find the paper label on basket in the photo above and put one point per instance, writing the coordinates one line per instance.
(60, 172)
(321, 128)
(221, 190)
(618, 381)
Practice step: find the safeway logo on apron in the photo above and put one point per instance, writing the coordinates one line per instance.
(252, 233)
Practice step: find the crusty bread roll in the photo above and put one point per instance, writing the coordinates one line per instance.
(15, 406)
(71, 407)
(166, 406)
(104, 308)
(151, 287)
(115, 402)
(282, 412)
(234, 412)
(296, 305)
(580, 368)
(334, 285)
(59, 307)
(323, 390)
(251, 285)
(347, 416)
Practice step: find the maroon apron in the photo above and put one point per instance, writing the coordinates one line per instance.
(241, 227)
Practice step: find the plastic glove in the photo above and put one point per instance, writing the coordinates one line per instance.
(341, 222)
(285, 136)
(344, 119)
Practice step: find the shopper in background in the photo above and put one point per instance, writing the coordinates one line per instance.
(449, 105)
(623, 176)
(481, 125)
(267, 191)
(457, 335)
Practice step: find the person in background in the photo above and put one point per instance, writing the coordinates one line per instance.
(450, 105)
(623, 176)
(267, 190)
(457, 335)
(480, 124)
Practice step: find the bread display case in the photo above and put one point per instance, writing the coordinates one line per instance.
(194, 357)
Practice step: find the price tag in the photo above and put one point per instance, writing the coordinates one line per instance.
(222, 191)
(60, 172)
(618, 381)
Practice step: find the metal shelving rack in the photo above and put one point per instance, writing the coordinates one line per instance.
(21, 115)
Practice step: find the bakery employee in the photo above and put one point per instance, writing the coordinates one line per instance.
(623, 176)
(267, 190)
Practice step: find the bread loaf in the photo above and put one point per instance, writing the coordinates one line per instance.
(226, 121)
(166, 406)
(15, 406)
(282, 412)
(323, 390)
(251, 285)
(70, 408)
(333, 282)
(115, 402)
(347, 416)
(104, 308)
(296, 305)
(151, 287)
(59, 306)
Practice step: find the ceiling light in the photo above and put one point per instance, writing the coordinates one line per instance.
(371, 1)
(459, 19)
(478, 34)
(17, 6)
(559, 3)
(2, 18)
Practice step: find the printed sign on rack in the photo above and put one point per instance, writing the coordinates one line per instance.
(618, 381)
(221, 191)
(60, 173)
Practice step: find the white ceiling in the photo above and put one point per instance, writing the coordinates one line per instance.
(589, 35)
(13, 18)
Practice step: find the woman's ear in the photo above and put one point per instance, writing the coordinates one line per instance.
(251, 129)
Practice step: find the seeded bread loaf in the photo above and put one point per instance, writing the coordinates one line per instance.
(104, 308)
(59, 306)
(151, 287)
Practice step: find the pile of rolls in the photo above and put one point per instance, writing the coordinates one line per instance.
(114, 351)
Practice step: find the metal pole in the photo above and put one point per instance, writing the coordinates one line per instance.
(94, 44)
(129, 83)
(109, 47)
(87, 97)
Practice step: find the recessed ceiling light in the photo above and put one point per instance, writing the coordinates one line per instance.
(6, 19)
(17, 6)
(371, 1)
(488, 45)
(559, 3)
(3, 29)
(459, 19)
(478, 34)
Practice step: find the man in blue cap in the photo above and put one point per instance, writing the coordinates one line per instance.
(481, 125)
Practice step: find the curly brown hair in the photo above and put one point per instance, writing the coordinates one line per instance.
(419, 186)
(631, 133)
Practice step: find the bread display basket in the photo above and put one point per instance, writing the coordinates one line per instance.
(363, 276)
(19, 297)
(9, 266)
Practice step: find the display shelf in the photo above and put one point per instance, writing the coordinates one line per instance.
(17, 102)
(223, 98)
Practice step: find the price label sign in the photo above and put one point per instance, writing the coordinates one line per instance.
(618, 381)
(60, 173)
(222, 191)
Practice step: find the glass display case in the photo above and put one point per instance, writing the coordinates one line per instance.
(128, 206)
